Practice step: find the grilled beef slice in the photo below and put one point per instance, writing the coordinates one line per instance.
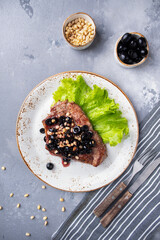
(65, 108)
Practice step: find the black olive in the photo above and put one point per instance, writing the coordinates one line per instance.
(143, 52)
(126, 59)
(124, 49)
(126, 38)
(66, 159)
(85, 150)
(62, 120)
(76, 130)
(138, 59)
(52, 137)
(133, 43)
(120, 46)
(45, 138)
(130, 61)
(48, 122)
(52, 130)
(122, 56)
(84, 128)
(86, 135)
(68, 120)
(132, 54)
(78, 143)
(60, 149)
(42, 130)
(142, 42)
(68, 135)
(90, 134)
(92, 143)
(51, 146)
(49, 166)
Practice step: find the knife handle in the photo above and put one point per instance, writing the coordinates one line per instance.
(107, 219)
(109, 199)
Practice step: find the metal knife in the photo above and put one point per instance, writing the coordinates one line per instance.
(106, 220)
(140, 162)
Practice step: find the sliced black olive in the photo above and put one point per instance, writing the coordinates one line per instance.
(51, 121)
(53, 137)
(142, 42)
(60, 149)
(51, 146)
(90, 134)
(48, 122)
(42, 130)
(76, 130)
(53, 130)
(85, 150)
(49, 166)
(68, 120)
(84, 128)
(126, 38)
(45, 138)
(78, 143)
(62, 120)
(54, 120)
(68, 135)
(143, 52)
(91, 143)
(86, 135)
(66, 159)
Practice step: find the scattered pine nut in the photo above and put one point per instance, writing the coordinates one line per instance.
(43, 186)
(45, 218)
(1, 207)
(61, 199)
(11, 194)
(28, 234)
(26, 195)
(63, 209)
(43, 209)
(3, 168)
(32, 217)
(18, 205)
(46, 223)
(39, 207)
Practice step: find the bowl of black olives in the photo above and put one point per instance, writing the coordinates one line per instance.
(131, 49)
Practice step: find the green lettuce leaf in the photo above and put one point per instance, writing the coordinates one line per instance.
(102, 111)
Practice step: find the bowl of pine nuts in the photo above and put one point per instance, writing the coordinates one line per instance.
(79, 30)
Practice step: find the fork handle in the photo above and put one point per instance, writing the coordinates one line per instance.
(109, 199)
(107, 219)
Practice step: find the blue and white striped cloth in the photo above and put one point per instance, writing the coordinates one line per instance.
(139, 217)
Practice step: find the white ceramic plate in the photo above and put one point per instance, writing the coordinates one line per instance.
(78, 177)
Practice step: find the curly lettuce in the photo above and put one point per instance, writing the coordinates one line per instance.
(103, 112)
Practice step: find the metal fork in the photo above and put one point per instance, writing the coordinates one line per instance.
(142, 160)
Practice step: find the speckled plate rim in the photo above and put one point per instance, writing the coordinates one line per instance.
(69, 72)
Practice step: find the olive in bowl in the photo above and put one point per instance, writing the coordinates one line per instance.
(131, 49)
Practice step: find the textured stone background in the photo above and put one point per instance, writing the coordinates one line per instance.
(32, 48)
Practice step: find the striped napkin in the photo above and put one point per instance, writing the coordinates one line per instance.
(139, 217)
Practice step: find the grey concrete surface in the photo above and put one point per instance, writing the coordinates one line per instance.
(32, 48)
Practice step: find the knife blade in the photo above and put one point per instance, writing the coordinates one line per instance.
(107, 219)
(145, 174)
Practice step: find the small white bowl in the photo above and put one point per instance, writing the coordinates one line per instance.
(130, 65)
(73, 17)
